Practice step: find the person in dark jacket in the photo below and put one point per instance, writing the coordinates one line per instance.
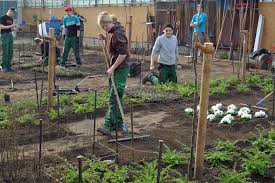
(7, 26)
(119, 68)
(44, 47)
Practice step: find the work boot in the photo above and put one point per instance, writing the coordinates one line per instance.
(151, 77)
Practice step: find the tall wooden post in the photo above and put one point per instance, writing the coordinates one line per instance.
(130, 32)
(244, 57)
(51, 67)
(208, 51)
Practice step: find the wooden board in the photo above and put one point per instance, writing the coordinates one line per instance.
(267, 10)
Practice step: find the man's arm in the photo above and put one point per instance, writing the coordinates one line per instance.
(155, 53)
(192, 21)
(177, 52)
(7, 26)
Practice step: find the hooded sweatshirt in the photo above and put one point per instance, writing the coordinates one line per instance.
(119, 45)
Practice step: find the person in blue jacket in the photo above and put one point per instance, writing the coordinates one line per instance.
(198, 23)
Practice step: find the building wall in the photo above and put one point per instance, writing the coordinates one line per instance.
(267, 9)
(138, 13)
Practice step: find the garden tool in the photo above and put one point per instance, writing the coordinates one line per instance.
(263, 100)
(77, 88)
(152, 77)
(114, 86)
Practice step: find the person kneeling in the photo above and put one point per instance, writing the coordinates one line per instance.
(166, 49)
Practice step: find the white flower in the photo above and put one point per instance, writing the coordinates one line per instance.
(260, 114)
(214, 108)
(218, 113)
(189, 111)
(211, 117)
(243, 110)
(232, 106)
(219, 105)
(246, 116)
(227, 119)
(231, 111)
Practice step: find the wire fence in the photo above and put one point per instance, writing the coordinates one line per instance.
(83, 3)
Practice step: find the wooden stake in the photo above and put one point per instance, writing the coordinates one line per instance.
(51, 67)
(244, 57)
(130, 32)
(204, 96)
(220, 34)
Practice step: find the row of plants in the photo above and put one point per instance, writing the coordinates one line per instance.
(233, 162)
(230, 114)
(239, 164)
(83, 103)
(143, 172)
(222, 86)
(22, 113)
(25, 112)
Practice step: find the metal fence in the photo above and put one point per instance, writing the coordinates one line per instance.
(82, 3)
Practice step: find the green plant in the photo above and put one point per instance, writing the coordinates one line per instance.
(230, 176)
(271, 134)
(97, 165)
(167, 87)
(220, 89)
(267, 88)
(186, 90)
(225, 146)
(64, 100)
(88, 175)
(223, 152)
(3, 115)
(218, 158)
(262, 144)
(223, 55)
(254, 80)
(119, 175)
(232, 80)
(243, 88)
(4, 124)
(147, 173)
(27, 119)
(173, 158)
(53, 114)
(258, 163)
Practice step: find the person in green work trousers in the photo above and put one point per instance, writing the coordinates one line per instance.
(166, 50)
(72, 32)
(7, 26)
(119, 68)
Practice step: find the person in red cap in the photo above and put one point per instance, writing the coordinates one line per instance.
(71, 25)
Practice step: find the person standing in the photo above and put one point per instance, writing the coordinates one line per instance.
(119, 68)
(71, 25)
(7, 26)
(166, 49)
(198, 22)
(81, 28)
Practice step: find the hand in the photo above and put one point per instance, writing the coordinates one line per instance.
(110, 71)
(195, 24)
(101, 37)
(152, 67)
